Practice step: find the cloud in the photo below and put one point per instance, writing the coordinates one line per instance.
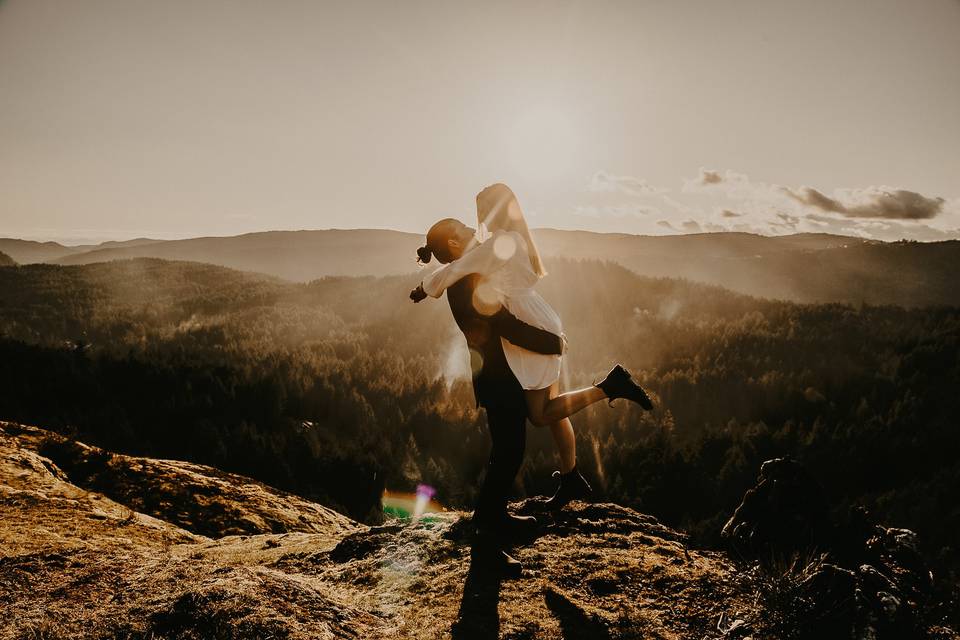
(615, 211)
(687, 226)
(709, 178)
(681, 207)
(871, 202)
(874, 212)
(603, 182)
(888, 230)
(820, 220)
(586, 211)
(762, 207)
(784, 221)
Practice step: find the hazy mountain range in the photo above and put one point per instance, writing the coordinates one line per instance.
(799, 267)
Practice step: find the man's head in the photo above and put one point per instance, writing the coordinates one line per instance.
(447, 239)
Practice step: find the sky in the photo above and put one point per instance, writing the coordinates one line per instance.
(130, 118)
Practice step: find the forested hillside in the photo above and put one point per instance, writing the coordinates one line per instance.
(341, 387)
(6, 261)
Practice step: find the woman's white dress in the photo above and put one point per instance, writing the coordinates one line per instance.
(504, 263)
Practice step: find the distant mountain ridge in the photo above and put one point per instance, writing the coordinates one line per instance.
(32, 251)
(292, 255)
(801, 267)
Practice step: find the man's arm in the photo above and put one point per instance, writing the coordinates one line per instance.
(503, 322)
(523, 335)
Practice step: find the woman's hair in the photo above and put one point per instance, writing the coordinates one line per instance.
(423, 254)
(499, 209)
(437, 245)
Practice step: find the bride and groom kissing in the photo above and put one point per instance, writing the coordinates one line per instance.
(516, 345)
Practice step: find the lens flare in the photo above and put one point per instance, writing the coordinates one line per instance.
(598, 460)
(504, 247)
(412, 506)
(456, 365)
(486, 300)
(424, 494)
(476, 361)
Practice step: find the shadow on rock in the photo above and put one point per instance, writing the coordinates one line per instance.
(479, 617)
(576, 619)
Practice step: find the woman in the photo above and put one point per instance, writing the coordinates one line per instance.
(511, 265)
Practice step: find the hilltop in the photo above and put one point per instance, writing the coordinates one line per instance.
(95, 544)
(31, 251)
(85, 555)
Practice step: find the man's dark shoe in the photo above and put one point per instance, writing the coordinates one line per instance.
(520, 522)
(619, 384)
(573, 486)
(490, 558)
(520, 526)
(505, 525)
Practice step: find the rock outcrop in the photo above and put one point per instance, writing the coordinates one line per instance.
(77, 563)
(785, 511)
(95, 544)
(198, 498)
(850, 579)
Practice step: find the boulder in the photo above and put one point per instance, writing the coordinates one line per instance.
(785, 512)
(874, 582)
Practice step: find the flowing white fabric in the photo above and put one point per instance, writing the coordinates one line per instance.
(504, 263)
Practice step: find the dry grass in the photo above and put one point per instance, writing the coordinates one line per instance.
(75, 564)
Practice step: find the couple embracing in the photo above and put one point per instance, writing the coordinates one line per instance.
(516, 346)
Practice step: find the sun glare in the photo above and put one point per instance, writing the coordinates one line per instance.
(542, 141)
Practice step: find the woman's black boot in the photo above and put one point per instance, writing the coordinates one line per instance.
(573, 486)
(619, 384)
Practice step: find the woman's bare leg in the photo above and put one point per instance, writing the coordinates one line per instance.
(566, 444)
(561, 430)
(572, 485)
(549, 406)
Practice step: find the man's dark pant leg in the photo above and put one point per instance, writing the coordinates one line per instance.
(508, 431)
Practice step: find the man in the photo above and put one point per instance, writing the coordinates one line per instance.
(499, 392)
